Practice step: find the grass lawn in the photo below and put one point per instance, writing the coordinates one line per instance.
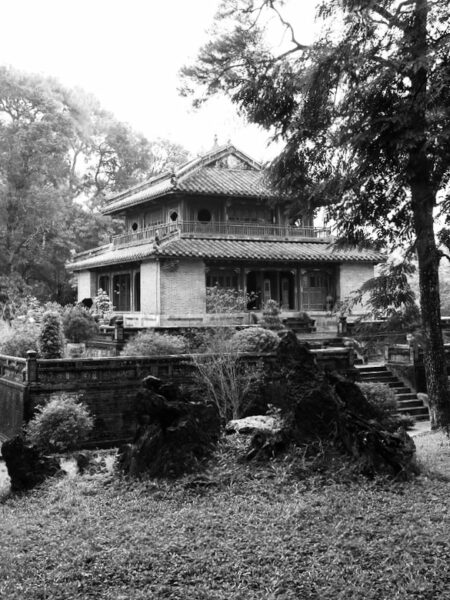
(242, 532)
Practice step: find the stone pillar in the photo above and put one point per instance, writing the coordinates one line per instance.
(31, 374)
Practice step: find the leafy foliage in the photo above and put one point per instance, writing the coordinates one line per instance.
(60, 425)
(51, 337)
(389, 293)
(60, 154)
(79, 324)
(254, 339)
(17, 340)
(151, 343)
(271, 316)
(382, 398)
(226, 300)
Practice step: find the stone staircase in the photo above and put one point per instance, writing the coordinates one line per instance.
(407, 399)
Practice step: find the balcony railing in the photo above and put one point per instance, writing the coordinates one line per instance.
(222, 230)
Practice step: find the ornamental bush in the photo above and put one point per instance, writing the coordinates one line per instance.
(60, 425)
(382, 398)
(20, 338)
(79, 324)
(151, 343)
(271, 316)
(51, 337)
(254, 339)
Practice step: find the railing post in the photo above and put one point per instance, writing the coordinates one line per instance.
(31, 374)
(118, 331)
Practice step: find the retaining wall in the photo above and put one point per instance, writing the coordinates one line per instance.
(108, 386)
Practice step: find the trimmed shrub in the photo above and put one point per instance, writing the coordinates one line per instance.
(382, 399)
(151, 343)
(254, 339)
(51, 337)
(79, 324)
(61, 425)
(19, 339)
(271, 316)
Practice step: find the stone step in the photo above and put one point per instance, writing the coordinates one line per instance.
(399, 388)
(379, 378)
(406, 397)
(410, 404)
(373, 369)
(417, 412)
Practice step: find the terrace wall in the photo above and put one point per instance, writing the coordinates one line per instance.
(108, 386)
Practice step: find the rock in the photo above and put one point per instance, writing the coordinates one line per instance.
(253, 424)
(329, 409)
(174, 437)
(27, 467)
(424, 399)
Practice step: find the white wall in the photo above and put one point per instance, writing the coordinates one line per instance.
(86, 285)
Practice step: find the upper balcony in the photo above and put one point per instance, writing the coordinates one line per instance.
(222, 230)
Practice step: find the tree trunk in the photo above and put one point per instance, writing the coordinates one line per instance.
(434, 353)
(423, 202)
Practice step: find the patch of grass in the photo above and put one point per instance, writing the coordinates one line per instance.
(235, 532)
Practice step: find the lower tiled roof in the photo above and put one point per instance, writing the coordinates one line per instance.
(265, 250)
(238, 250)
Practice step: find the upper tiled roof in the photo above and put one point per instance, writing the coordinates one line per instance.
(244, 250)
(204, 175)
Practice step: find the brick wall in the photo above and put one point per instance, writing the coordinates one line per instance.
(183, 290)
(12, 398)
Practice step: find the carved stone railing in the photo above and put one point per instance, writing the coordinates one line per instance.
(220, 229)
(12, 368)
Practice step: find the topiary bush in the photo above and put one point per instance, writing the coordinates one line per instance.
(51, 337)
(151, 343)
(60, 425)
(79, 324)
(254, 339)
(382, 399)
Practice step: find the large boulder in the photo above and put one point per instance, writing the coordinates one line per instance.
(174, 436)
(327, 408)
(27, 467)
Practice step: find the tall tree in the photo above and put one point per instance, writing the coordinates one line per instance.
(365, 116)
(60, 154)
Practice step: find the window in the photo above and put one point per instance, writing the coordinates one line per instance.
(103, 283)
(153, 216)
(134, 226)
(173, 215)
(137, 292)
(222, 278)
(249, 214)
(203, 215)
(121, 292)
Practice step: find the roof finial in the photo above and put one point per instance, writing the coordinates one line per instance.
(216, 141)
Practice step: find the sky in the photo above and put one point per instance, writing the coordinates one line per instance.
(128, 53)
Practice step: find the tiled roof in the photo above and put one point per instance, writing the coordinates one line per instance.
(264, 250)
(196, 177)
(231, 182)
(238, 250)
